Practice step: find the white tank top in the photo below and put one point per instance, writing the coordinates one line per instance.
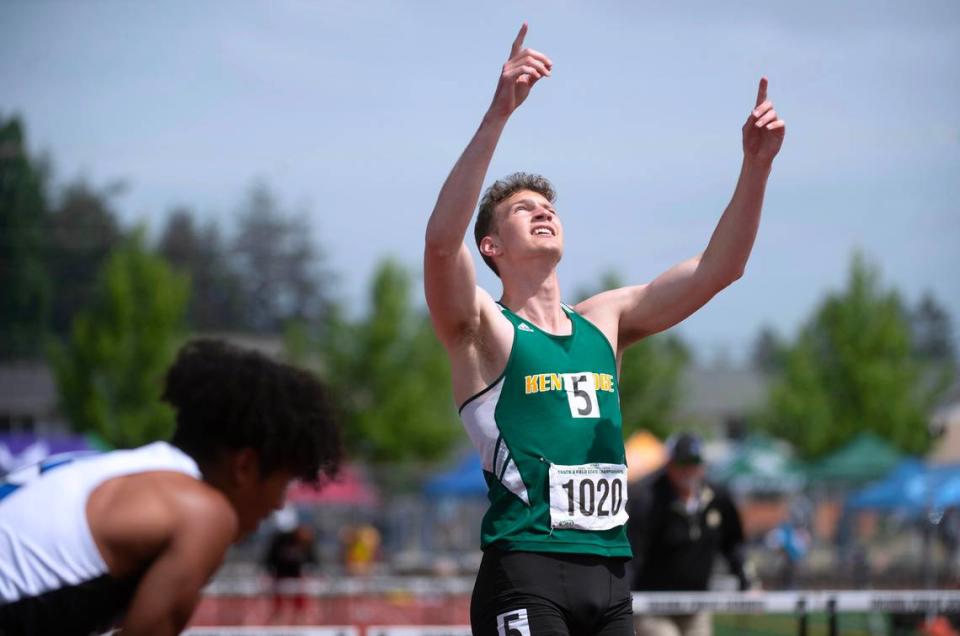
(45, 540)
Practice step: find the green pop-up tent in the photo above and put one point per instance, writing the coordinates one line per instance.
(761, 464)
(864, 458)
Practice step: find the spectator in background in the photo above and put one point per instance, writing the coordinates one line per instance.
(361, 549)
(291, 549)
(792, 542)
(678, 526)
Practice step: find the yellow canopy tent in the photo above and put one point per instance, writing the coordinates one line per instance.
(645, 454)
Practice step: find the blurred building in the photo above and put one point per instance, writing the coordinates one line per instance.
(718, 398)
(28, 390)
(28, 399)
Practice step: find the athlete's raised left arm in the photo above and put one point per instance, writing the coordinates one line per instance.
(630, 313)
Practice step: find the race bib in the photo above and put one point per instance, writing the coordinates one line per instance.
(588, 497)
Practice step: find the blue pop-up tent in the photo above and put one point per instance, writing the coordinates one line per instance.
(463, 480)
(947, 492)
(913, 488)
(902, 488)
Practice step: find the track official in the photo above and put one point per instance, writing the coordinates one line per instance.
(678, 525)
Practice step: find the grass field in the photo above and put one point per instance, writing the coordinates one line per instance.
(787, 625)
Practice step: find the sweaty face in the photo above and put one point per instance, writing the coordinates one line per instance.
(527, 227)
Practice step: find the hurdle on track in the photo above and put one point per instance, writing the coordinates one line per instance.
(797, 603)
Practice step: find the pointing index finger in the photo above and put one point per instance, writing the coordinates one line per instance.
(761, 92)
(518, 42)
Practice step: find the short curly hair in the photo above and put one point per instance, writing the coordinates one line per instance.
(228, 398)
(502, 190)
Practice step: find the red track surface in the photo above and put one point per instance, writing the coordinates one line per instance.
(395, 609)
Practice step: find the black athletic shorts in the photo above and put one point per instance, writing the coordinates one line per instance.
(540, 594)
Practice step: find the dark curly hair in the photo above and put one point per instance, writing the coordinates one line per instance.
(502, 190)
(228, 398)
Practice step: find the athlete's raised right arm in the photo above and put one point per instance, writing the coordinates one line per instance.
(449, 278)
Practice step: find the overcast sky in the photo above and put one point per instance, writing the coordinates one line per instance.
(356, 111)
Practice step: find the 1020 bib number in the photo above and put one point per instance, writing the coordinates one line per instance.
(588, 496)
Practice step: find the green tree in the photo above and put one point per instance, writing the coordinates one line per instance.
(83, 232)
(390, 373)
(651, 377)
(768, 354)
(109, 372)
(24, 281)
(278, 264)
(853, 368)
(932, 333)
(215, 289)
(932, 336)
(651, 384)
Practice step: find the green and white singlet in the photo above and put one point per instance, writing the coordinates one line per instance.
(549, 435)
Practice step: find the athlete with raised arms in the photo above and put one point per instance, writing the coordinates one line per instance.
(537, 380)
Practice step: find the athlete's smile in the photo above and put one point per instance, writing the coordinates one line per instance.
(543, 230)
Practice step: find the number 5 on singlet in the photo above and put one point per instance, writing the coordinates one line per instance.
(581, 394)
(588, 497)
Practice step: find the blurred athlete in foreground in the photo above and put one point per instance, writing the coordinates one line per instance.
(537, 380)
(139, 532)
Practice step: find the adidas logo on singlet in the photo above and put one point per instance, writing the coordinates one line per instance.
(525, 327)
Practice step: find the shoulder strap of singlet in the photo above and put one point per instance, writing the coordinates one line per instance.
(514, 319)
(506, 310)
(517, 320)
